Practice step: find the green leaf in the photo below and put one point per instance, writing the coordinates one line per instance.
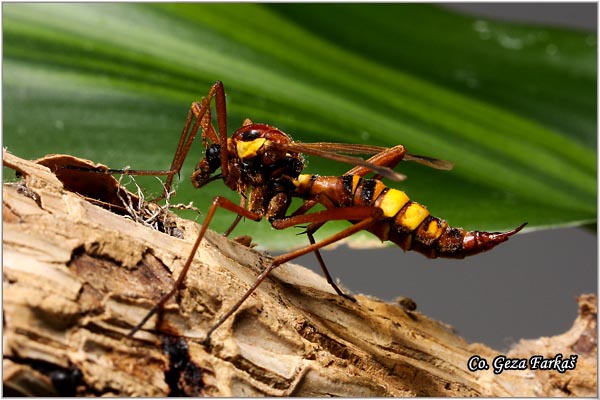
(512, 106)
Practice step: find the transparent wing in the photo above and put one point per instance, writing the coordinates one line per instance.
(323, 151)
(348, 148)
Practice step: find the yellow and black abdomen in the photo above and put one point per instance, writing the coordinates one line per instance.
(409, 224)
(403, 222)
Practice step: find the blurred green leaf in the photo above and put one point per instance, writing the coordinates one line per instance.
(513, 106)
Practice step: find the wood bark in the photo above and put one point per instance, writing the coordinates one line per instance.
(78, 276)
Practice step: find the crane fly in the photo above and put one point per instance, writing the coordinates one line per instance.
(264, 166)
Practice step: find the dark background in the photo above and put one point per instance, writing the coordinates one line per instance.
(525, 288)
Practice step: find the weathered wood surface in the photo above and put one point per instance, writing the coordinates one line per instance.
(77, 277)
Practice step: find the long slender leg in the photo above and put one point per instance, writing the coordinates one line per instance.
(305, 207)
(235, 222)
(311, 229)
(330, 280)
(221, 108)
(238, 217)
(200, 110)
(183, 146)
(217, 202)
(203, 119)
(185, 143)
(366, 215)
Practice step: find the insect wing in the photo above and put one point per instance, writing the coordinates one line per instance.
(344, 148)
(349, 148)
(430, 162)
(320, 152)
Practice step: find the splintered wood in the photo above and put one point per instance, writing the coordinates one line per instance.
(77, 277)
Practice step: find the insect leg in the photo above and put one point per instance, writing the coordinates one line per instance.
(366, 216)
(202, 113)
(330, 280)
(222, 124)
(238, 218)
(217, 202)
(236, 221)
(312, 228)
(305, 207)
(199, 110)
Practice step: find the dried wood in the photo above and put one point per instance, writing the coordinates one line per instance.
(77, 277)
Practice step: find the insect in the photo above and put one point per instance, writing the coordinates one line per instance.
(264, 165)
